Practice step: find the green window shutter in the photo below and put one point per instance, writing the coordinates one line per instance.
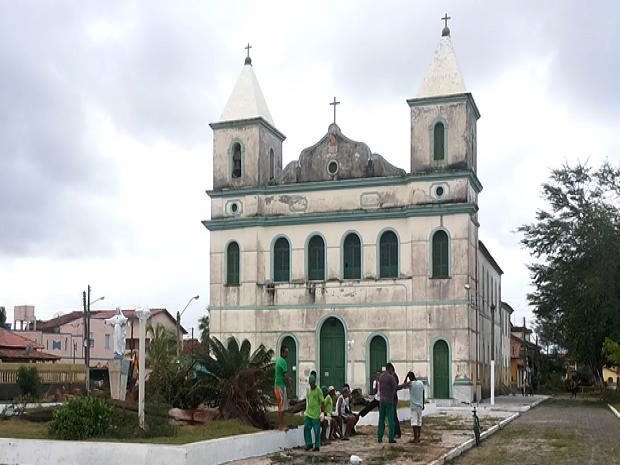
(316, 259)
(232, 263)
(388, 255)
(281, 261)
(352, 257)
(440, 254)
(438, 142)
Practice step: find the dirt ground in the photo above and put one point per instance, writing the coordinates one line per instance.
(440, 433)
(558, 432)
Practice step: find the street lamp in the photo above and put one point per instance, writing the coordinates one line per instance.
(179, 339)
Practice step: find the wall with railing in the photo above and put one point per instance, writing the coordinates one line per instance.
(57, 373)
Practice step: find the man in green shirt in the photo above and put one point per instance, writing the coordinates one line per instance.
(312, 415)
(281, 381)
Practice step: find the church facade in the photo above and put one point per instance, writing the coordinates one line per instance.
(350, 261)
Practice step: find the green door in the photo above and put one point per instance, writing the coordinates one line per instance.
(441, 371)
(289, 342)
(332, 360)
(378, 359)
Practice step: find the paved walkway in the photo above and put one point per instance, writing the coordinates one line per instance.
(559, 431)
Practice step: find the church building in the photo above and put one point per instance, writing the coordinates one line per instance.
(350, 261)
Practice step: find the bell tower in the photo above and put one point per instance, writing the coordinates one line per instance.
(247, 147)
(443, 115)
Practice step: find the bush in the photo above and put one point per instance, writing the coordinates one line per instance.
(29, 382)
(81, 419)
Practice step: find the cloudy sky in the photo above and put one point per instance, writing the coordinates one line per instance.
(105, 148)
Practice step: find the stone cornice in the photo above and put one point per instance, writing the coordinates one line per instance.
(466, 97)
(226, 223)
(246, 122)
(348, 184)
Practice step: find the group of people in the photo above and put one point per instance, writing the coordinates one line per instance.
(328, 413)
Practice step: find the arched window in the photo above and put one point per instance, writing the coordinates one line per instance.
(281, 261)
(236, 160)
(272, 165)
(352, 257)
(440, 256)
(388, 255)
(316, 259)
(438, 142)
(232, 263)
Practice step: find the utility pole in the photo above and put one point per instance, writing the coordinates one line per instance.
(86, 304)
(524, 358)
(492, 354)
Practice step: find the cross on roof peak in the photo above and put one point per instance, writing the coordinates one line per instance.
(334, 103)
(446, 29)
(248, 60)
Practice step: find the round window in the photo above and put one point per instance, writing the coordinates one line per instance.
(332, 167)
(234, 207)
(439, 191)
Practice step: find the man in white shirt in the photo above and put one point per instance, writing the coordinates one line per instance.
(416, 396)
(374, 403)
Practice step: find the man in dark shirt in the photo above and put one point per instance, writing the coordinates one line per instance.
(387, 392)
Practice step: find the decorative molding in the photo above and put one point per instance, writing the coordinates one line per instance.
(297, 203)
(219, 224)
(247, 122)
(348, 184)
(370, 199)
(332, 306)
(465, 97)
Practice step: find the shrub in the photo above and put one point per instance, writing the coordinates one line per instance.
(81, 419)
(29, 382)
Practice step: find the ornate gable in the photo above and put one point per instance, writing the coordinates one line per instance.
(337, 157)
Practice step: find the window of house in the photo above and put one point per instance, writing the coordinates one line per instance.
(232, 263)
(282, 260)
(106, 342)
(316, 259)
(92, 340)
(352, 257)
(440, 255)
(272, 165)
(56, 345)
(438, 142)
(236, 160)
(388, 255)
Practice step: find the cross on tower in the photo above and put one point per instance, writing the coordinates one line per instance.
(248, 60)
(334, 103)
(445, 18)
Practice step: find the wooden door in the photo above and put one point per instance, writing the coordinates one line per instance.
(332, 359)
(441, 370)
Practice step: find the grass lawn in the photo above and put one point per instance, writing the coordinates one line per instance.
(23, 429)
(617, 406)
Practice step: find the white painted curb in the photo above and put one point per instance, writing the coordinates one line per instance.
(211, 452)
(458, 450)
(613, 410)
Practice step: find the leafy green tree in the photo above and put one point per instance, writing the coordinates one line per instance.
(576, 275)
(2, 317)
(29, 382)
(611, 352)
(238, 380)
(171, 381)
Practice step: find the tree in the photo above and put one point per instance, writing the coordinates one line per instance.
(611, 352)
(171, 381)
(2, 317)
(203, 326)
(576, 275)
(238, 380)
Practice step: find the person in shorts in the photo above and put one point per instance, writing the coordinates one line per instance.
(416, 398)
(280, 383)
